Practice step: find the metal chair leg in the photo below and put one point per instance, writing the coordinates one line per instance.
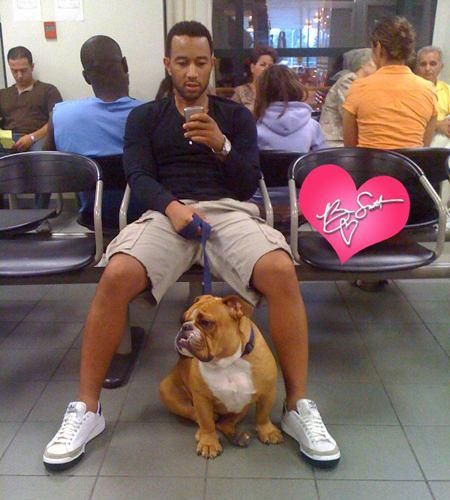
(126, 356)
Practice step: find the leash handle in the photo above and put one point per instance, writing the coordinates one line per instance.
(207, 281)
(190, 232)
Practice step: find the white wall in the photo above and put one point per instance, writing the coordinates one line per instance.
(188, 10)
(441, 35)
(137, 25)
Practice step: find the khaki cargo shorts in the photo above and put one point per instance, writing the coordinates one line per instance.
(238, 239)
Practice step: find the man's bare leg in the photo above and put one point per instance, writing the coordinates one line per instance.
(123, 279)
(274, 276)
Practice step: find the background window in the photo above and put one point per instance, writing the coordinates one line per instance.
(309, 35)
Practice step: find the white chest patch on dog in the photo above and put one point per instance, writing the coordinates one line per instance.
(231, 383)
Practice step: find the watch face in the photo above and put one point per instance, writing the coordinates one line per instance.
(226, 146)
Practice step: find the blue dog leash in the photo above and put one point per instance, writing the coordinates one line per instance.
(190, 232)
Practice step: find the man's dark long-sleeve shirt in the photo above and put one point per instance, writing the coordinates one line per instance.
(161, 165)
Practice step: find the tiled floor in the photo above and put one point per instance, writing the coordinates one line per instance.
(379, 370)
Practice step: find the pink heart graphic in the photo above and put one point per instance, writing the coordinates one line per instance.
(352, 219)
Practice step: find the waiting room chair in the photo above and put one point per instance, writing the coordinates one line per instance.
(114, 184)
(273, 194)
(400, 252)
(435, 164)
(45, 253)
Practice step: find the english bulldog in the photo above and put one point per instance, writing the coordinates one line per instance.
(225, 365)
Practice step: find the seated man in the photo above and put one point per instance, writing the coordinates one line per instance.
(25, 107)
(429, 65)
(207, 166)
(95, 126)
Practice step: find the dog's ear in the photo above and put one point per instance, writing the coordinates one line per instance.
(238, 307)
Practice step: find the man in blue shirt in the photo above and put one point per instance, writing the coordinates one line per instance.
(95, 126)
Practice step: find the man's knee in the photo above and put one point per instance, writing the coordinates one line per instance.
(124, 276)
(274, 268)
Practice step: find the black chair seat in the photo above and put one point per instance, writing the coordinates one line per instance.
(397, 253)
(36, 255)
(19, 221)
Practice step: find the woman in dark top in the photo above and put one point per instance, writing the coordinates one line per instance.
(261, 59)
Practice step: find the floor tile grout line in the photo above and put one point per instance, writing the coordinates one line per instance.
(386, 392)
(105, 451)
(76, 338)
(205, 481)
(127, 390)
(24, 421)
(316, 479)
(38, 301)
(22, 320)
(98, 474)
(424, 323)
(357, 329)
(402, 427)
(286, 478)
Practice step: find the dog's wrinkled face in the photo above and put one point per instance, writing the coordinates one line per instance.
(213, 327)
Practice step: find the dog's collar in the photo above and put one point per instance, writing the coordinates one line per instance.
(250, 344)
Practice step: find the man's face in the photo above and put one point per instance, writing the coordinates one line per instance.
(189, 64)
(429, 66)
(22, 71)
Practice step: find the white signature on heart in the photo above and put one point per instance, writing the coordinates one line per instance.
(349, 219)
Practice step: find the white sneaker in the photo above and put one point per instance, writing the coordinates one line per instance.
(305, 425)
(77, 429)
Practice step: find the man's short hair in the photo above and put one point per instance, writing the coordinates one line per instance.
(188, 28)
(20, 52)
(98, 51)
(427, 49)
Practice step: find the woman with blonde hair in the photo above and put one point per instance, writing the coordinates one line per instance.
(284, 121)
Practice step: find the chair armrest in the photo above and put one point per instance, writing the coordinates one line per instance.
(293, 203)
(442, 214)
(124, 208)
(98, 227)
(268, 208)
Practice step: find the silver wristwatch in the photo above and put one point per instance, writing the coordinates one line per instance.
(226, 148)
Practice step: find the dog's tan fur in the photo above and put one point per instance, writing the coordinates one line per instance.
(222, 326)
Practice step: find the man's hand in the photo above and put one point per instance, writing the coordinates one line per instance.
(23, 144)
(443, 127)
(203, 129)
(180, 215)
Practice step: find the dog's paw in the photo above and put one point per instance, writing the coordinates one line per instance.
(209, 448)
(241, 439)
(269, 434)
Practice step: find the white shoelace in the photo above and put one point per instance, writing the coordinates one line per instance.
(315, 428)
(69, 428)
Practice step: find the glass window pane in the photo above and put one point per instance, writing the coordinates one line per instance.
(224, 24)
(287, 24)
(309, 34)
